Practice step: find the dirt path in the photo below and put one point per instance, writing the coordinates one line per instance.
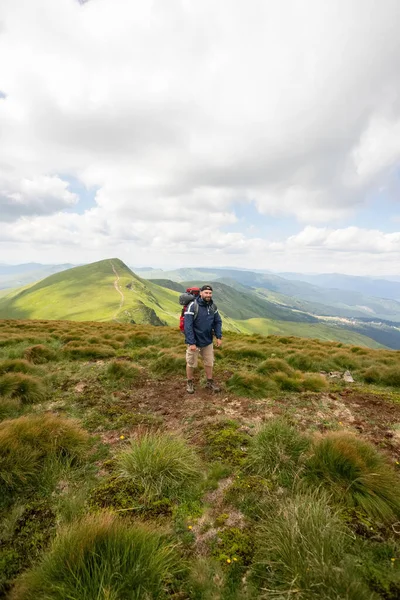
(118, 289)
(375, 418)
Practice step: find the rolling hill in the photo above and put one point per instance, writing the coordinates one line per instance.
(108, 290)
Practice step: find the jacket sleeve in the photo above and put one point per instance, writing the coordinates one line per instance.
(189, 324)
(217, 325)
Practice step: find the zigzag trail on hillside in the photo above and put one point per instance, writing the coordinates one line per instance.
(116, 285)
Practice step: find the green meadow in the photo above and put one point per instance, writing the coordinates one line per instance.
(116, 484)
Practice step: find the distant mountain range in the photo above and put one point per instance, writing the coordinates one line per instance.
(17, 275)
(249, 301)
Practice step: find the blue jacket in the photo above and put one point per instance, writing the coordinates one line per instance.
(200, 330)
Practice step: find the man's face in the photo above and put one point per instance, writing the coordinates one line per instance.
(206, 295)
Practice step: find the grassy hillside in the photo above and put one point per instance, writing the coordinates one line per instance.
(115, 483)
(318, 331)
(108, 290)
(100, 291)
(328, 301)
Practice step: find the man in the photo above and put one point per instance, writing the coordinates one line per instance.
(201, 323)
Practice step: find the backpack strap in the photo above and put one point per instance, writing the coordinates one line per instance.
(196, 309)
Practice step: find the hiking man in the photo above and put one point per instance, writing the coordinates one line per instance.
(202, 321)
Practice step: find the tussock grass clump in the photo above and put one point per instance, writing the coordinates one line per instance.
(139, 340)
(27, 388)
(9, 408)
(27, 441)
(314, 383)
(40, 354)
(243, 352)
(301, 552)
(274, 365)
(161, 465)
(16, 365)
(93, 352)
(372, 374)
(301, 361)
(275, 451)
(168, 363)
(252, 386)
(391, 377)
(346, 360)
(355, 474)
(288, 383)
(122, 369)
(101, 557)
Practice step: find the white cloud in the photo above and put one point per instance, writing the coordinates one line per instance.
(176, 113)
(348, 239)
(39, 195)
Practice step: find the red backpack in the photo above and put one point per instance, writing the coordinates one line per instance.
(184, 300)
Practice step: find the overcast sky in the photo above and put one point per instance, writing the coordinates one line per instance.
(176, 133)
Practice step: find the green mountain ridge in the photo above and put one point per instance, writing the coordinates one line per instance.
(108, 290)
(318, 300)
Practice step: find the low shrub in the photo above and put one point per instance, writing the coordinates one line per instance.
(355, 474)
(40, 354)
(301, 551)
(27, 441)
(26, 388)
(275, 452)
(102, 557)
(251, 386)
(161, 466)
(234, 545)
(226, 442)
(380, 567)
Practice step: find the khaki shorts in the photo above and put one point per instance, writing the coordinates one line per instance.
(207, 354)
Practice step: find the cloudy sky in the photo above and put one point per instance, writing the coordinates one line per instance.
(183, 133)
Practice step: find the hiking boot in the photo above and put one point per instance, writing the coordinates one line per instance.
(210, 385)
(190, 386)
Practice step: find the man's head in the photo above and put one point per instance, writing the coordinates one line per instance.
(206, 292)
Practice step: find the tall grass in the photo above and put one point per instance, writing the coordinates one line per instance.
(302, 553)
(275, 452)
(40, 354)
(16, 366)
(355, 474)
(27, 441)
(161, 465)
(100, 557)
(274, 365)
(251, 386)
(122, 370)
(26, 388)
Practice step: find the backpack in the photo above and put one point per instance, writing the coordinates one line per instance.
(185, 299)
